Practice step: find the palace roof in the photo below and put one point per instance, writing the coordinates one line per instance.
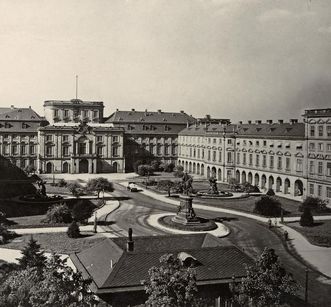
(141, 117)
(260, 130)
(19, 114)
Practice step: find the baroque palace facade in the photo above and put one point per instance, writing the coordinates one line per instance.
(293, 159)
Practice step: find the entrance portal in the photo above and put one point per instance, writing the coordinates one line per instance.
(83, 166)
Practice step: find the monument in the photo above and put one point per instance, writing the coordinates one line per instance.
(185, 214)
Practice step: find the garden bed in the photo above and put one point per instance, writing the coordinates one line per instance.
(319, 234)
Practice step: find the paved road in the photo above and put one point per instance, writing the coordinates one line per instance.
(247, 234)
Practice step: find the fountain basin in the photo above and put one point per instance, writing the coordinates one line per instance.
(199, 224)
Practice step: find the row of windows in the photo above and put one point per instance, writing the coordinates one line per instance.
(16, 136)
(82, 150)
(319, 189)
(84, 113)
(320, 131)
(247, 159)
(65, 138)
(24, 149)
(319, 146)
(317, 167)
(157, 149)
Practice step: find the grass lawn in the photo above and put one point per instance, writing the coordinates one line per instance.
(57, 242)
(33, 221)
(320, 234)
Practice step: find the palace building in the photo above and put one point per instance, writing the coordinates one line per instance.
(19, 135)
(150, 135)
(78, 141)
(318, 137)
(291, 158)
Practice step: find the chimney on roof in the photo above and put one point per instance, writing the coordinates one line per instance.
(249, 122)
(159, 111)
(269, 121)
(130, 243)
(133, 110)
(293, 121)
(240, 122)
(116, 110)
(29, 107)
(12, 106)
(181, 111)
(258, 121)
(280, 121)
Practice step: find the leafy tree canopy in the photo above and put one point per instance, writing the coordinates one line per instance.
(171, 284)
(267, 282)
(99, 184)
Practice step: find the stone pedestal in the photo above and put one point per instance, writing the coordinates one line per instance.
(186, 214)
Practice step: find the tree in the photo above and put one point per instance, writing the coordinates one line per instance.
(267, 283)
(306, 218)
(56, 285)
(145, 170)
(82, 209)
(179, 171)
(98, 185)
(155, 164)
(313, 203)
(58, 213)
(268, 206)
(33, 256)
(73, 230)
(165, 185)
(171, 284)
(75, 188)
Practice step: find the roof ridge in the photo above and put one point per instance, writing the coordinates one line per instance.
(115, 269)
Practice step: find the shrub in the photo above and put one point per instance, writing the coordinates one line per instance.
(169, 167)
(75, 188)
(6, 235)
(268, 206)
(179, 171)
(155, 164)
(136, 165)
(82, 210)
(307, 218)
(270, 192)
(249, 188)
(58, 213)
(62, 183)
(73, 230)
(150, 182)
(145, 170)
(314, 204)
(165, 185)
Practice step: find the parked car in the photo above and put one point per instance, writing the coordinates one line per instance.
(132, 187)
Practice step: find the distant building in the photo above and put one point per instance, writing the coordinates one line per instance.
(269, 155)
(318, 136)
(19, 135)
(77, 140)
(117, 266)
(150, 135)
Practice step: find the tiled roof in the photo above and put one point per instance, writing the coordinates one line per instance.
(216, 261)
(276, 130)
(23, 114)
(150, 129)
(16, 127)
(150, 117)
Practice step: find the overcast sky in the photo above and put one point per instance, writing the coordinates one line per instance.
(238, 59)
